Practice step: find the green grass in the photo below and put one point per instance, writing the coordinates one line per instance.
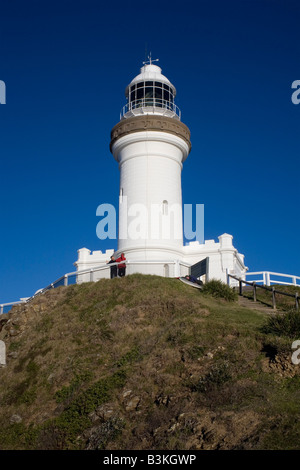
(287, 325)
(189, 356)
(283, 302)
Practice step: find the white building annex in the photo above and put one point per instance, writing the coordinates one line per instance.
(150, 144)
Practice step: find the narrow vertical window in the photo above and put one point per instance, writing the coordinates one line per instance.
(165, 207)
(121, 195)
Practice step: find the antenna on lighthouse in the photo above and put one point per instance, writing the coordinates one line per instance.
(150, 60)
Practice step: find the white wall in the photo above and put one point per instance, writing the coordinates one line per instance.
(150, 173)
(223, 259)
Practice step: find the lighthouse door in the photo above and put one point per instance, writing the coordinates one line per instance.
(199, 269)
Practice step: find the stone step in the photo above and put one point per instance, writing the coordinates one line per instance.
(248, 303)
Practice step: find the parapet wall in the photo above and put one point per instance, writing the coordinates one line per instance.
(223, 259)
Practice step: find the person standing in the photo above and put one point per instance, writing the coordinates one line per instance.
(114, 268)
(121, 265)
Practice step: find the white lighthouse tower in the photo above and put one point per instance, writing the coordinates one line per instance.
(150, 144)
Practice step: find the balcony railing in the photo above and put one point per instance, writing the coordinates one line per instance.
(151, 106)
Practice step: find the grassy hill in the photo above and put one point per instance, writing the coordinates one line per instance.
(144, 362)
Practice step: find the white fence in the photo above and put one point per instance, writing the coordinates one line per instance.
(6, 307)
(267, 278)
(272, 289)
(168, 268)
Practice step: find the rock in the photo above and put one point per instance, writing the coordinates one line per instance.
(173, 427)
(13, 355)
(13, 332)
(162, 399)
(98, 436)
(103, 412)
(132, 404)
(15, 419)
(281, 365)
(50, 378)
(3, 321)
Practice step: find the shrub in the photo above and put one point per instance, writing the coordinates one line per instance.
(216, 377)
(107, 431)
(287, 324)
(219, 289)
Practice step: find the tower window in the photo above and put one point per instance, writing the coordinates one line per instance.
(165, 207)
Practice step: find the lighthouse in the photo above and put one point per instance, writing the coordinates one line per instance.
(150, 144)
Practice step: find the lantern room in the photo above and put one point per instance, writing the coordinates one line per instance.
(150, 92)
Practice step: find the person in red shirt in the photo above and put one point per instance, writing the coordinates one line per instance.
(121, 265)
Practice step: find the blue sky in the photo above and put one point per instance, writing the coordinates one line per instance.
(66, 65)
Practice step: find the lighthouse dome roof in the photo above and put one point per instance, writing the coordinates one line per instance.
(150, 72)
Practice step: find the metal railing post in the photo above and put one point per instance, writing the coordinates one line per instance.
(296, 301)
(240, 287)
(1, 309)
(273, 298)
(65, 280)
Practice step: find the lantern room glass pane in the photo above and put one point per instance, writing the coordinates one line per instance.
(158, 93)
(132, 93)
(148, 92)
(166, 95)
(139, 93)
(158, 96)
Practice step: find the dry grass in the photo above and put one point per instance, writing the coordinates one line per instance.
(141, 360)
